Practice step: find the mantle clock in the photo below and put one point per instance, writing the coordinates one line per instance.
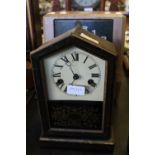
(74, 77)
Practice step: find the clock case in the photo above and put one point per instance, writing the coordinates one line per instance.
(93, 45)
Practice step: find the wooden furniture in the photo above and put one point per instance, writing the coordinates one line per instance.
(77, 120)
(33, 26)
(33, 36)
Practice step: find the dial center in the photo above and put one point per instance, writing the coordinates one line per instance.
(76, 76)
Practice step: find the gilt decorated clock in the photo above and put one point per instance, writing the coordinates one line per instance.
(74, 78)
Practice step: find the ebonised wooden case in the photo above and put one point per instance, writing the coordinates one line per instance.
(65, 123)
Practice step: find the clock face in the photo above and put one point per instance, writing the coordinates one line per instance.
(75, 74)
(86, 3)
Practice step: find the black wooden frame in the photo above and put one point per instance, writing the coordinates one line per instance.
(73, 39)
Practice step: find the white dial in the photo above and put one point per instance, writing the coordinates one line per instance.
(76, 69)
(75, 74)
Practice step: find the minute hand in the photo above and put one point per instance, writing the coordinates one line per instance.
(75, 75)
(71, 70)
(69, 65)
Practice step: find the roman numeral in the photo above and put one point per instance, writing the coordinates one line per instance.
(58, 66)
(86, 91)
(75, 56)
(92, 66)
(85, 59)
(57, 75)
(65, 90)
(65, 59)
(95, 75)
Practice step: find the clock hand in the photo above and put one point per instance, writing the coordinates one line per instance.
(72, 82)
(75, 75)
(69, 65)
(71, 70)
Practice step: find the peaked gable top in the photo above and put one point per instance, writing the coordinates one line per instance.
(83, 35)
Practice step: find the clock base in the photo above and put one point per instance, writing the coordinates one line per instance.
(80, 144)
